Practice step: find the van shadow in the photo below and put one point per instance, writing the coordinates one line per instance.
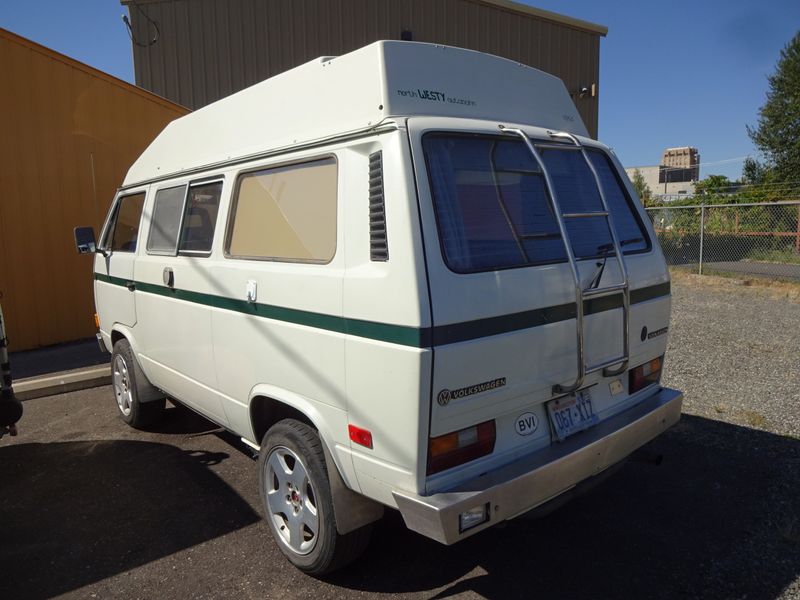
(720, 518)
(74, 513)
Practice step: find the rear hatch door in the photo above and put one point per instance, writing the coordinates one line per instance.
(502, 292)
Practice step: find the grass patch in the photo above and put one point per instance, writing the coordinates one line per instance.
(788, 289)
(754, 419)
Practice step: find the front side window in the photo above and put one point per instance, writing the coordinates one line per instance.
(123, 230)
(166, 221)
(286, 213)
(492, 208)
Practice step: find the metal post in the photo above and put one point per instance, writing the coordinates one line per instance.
(797, 239)
(702, 232)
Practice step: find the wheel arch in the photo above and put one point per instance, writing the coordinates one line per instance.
(269, 405)
(120, 331)
(149, 391)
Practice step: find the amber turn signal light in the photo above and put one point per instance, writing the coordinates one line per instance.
(456, 448)
(643, 375)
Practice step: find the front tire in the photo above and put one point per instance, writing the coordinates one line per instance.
(295, 492)
(131, 387)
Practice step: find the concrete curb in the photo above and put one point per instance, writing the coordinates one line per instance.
(48, 385)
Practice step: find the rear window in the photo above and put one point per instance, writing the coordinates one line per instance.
(492, 209)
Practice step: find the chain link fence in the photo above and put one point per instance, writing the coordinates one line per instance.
(746, 239)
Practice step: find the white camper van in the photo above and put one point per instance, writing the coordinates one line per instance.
(407, 277)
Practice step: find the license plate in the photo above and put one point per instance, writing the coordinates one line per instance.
(571, 414)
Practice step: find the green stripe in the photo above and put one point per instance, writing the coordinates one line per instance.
(649, 293)
(110, 279)
(415, 337)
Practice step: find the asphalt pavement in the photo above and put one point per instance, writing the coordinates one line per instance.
(760, 269)
(93, 509)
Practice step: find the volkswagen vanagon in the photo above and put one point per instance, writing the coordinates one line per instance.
(406, 277)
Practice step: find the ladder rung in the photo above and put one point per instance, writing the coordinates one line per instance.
(606, 364)
(604, 291)
(583, 215)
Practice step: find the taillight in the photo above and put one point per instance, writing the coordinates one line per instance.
(644, 375)
(452, 449)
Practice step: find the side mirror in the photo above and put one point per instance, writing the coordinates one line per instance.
(84, 240)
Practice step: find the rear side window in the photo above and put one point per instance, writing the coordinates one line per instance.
(123, 230)
(285, 213)
(166, 221)
(492, 208)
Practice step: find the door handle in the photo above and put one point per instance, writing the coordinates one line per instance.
(131, 286)
(168, 277)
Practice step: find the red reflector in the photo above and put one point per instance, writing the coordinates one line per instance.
(360, 436)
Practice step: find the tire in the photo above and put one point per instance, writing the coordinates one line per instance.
(139, 403)
(295, 492)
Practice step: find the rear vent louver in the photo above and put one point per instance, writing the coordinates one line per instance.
(378, 244)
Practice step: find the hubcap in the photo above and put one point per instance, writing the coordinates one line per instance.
(122, 389)
(291, 500)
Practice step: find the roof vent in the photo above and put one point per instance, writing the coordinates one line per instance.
(378, 243)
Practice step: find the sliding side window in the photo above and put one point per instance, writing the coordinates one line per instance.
(166, 221)
(186, 217)
(200, 218)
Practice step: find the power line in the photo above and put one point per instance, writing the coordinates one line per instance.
(700, 164)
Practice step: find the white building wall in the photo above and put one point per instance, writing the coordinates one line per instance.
(650, 174)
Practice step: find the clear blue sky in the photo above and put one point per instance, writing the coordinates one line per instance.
(683, 73)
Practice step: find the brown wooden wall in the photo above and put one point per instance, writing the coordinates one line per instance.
(68, 134)
(209, 49)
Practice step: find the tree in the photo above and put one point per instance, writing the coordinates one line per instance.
(777, 134)
(714, 185)
(754, 172)
(641, 187)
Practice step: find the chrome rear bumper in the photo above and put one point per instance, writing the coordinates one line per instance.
(527, 483)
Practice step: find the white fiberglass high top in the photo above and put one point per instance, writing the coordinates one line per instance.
(331, 97)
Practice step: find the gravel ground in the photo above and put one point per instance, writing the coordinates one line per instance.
(735, 350)
(93, 509)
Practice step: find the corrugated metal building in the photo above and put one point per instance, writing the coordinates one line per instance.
(69, 135)
(197, 51)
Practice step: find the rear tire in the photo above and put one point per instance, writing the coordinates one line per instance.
(131, 387)
(296, 494)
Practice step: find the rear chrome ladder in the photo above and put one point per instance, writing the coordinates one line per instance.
(581, 295)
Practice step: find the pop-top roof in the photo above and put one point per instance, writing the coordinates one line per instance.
(331, 96)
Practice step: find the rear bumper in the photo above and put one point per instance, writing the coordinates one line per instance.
(527, 483)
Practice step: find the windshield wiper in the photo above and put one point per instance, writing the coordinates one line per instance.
(610, 245)
(606, 250)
